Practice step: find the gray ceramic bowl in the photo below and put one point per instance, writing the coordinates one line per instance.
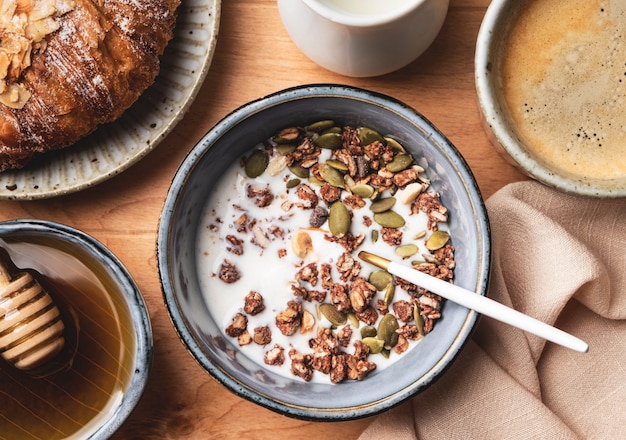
(235, 136)
(111, 366)
(497, 119)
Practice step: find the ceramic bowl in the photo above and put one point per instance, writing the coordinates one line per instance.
(363, 44)
(198, 176)
(557, 166)
(108, 338)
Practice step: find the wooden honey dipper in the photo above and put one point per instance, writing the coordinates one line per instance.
(31, 326)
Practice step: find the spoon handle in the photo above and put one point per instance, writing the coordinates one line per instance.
(479, 303)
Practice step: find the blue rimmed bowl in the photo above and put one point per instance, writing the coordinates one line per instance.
(237, 134)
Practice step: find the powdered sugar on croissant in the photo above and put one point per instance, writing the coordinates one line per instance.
(67, 66)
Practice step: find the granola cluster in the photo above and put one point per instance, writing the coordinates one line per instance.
(350, 180)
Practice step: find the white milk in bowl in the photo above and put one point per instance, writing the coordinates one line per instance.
(278, 244)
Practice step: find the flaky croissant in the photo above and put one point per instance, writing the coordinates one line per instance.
(65, 73)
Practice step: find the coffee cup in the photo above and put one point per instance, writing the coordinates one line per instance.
(363, 38)
(550, 77)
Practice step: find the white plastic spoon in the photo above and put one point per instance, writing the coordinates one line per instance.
(479, 303)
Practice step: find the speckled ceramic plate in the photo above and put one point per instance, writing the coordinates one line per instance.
(114, 147)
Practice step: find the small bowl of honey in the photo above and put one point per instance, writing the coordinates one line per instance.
(75, 335)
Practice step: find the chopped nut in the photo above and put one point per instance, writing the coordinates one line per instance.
(361, 293)
(288, 321)
(307, 195)
(301, 365)
(253, 303)
(308, 322)
(308, 273)
(301, 243)
(348, 267)
(330, 193)
(237, 245)
(261, 197)
(391, 236)
(429, 203)
(368, 315)
(262, 335)
(228, 272)
(275, 356)
(403, 310)
(238, 325)
(339, 297)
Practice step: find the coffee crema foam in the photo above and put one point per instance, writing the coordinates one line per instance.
(563, 76)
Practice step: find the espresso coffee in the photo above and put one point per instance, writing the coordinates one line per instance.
(563, 71)
(70, 404)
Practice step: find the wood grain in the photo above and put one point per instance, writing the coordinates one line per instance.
(254, 57)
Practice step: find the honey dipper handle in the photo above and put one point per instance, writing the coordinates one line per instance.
(5, 277)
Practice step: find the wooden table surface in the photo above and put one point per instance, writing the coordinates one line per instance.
(255, 57)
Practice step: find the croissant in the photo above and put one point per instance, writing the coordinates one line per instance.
(67, 66)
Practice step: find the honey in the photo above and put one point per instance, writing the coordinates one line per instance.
(70, 403)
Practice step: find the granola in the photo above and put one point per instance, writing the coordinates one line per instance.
(316, 310)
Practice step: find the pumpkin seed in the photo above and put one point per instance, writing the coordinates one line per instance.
(437, 240)
(332, 130)
(299, 171)
(368, 331)
(333, 315)
(348, 181)
(277, 165)
(315, 181)
(257, 163)
(339, 219)
(292, 183)
(419, 319)
(285, 149)
(329, 141)
(407, 250)
(390, 292)
(420, 234)
(387, 330)
(337, 164)
(362, 190)
(395, 144)
(375, 195)
(320, 125)
(367, 135)
(400, 162)
(380, 279)
(374, 235)
(287, 135)
(389, 219)
(354, 320)
(382, 205)
(375, 345)
(331, 175)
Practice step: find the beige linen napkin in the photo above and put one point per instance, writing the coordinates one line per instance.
(561, 259)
